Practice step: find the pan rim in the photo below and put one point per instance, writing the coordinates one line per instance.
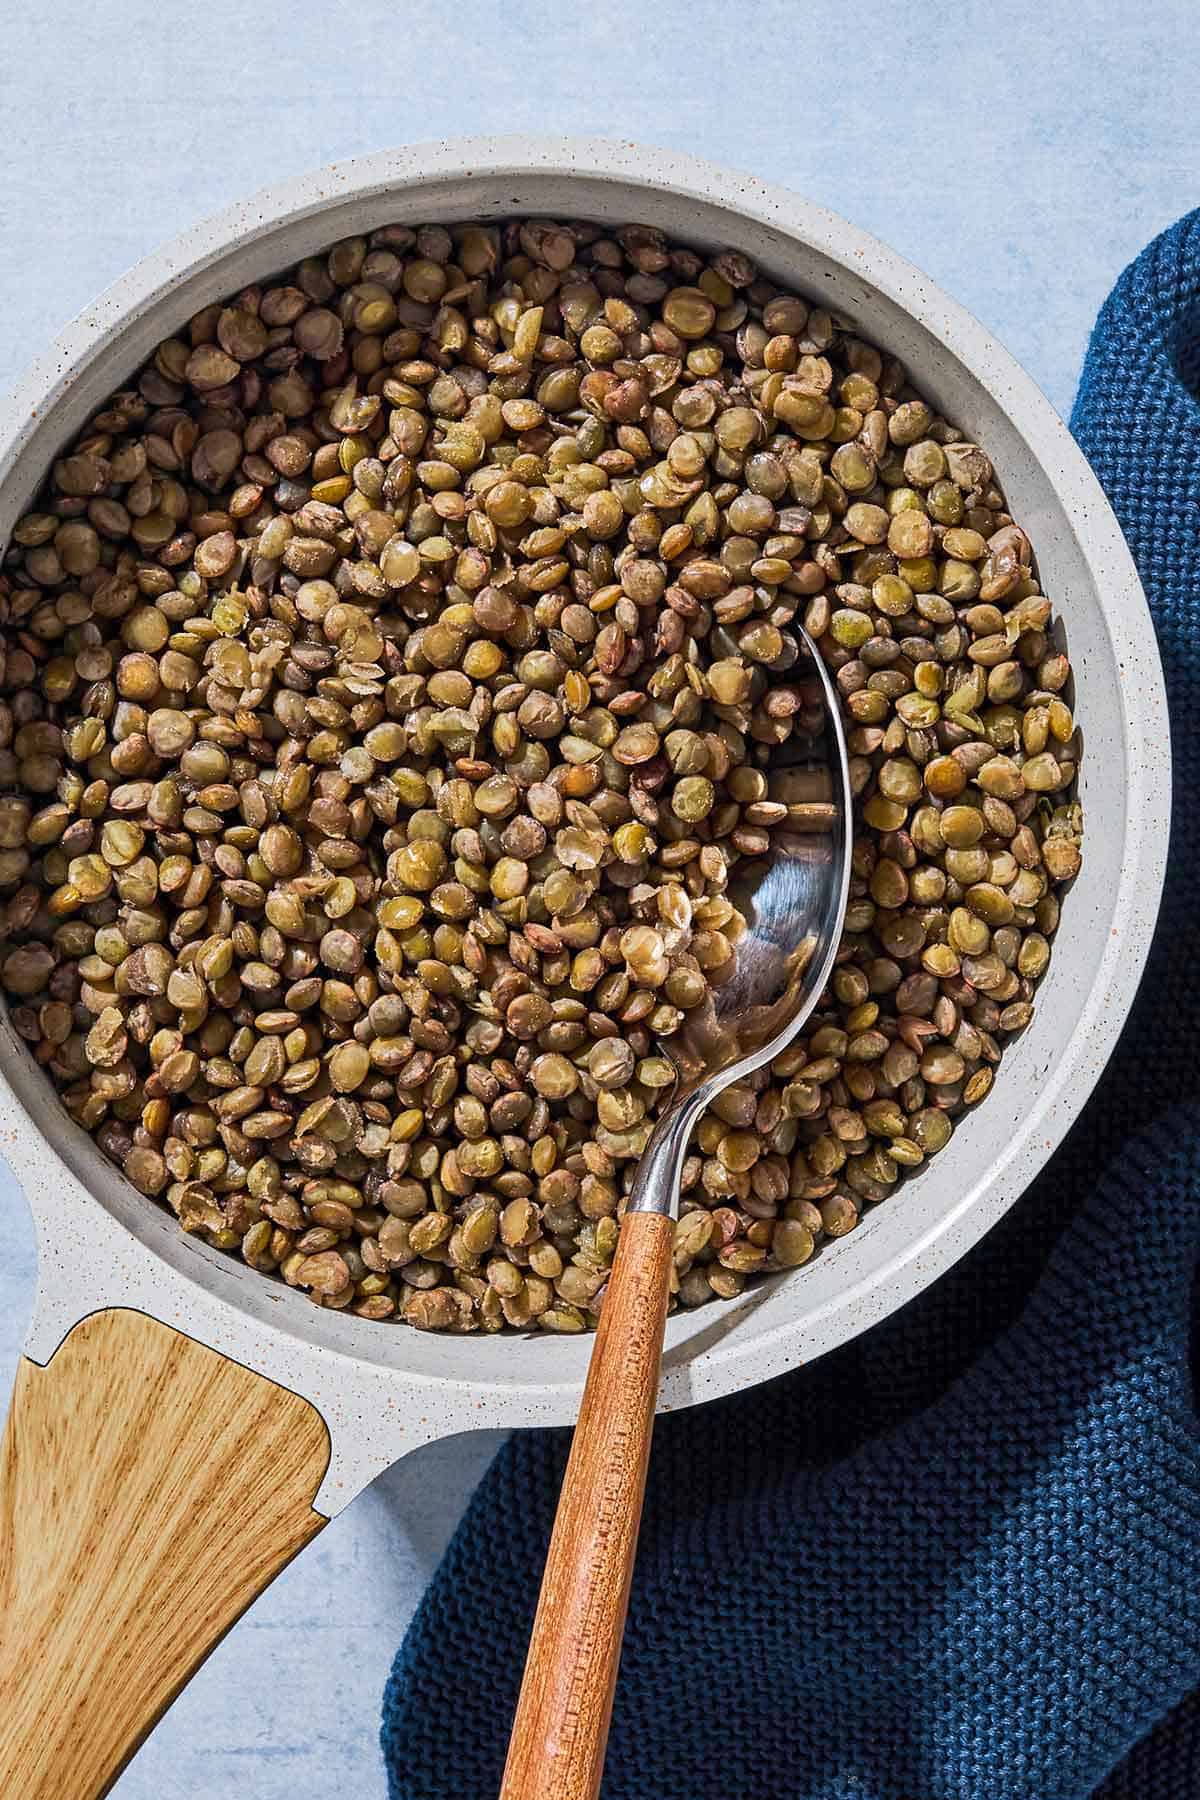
(707, 1354)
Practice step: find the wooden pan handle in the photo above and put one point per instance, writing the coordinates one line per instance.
(561, 1725)
(149, 1489)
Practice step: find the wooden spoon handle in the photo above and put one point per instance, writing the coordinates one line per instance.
(149, 1489)
(561, 1725)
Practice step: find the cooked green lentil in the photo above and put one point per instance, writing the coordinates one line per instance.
(394, 672)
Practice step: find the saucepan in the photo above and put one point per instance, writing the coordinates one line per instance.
(182, 1427)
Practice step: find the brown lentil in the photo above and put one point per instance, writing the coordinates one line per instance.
(393, 673)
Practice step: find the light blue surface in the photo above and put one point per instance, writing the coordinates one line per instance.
(1021, 154)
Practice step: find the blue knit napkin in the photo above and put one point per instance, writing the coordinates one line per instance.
(959, 1559)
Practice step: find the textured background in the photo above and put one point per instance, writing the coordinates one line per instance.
(1021, 155)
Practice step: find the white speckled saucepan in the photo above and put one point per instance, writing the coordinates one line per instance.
(380, 1390)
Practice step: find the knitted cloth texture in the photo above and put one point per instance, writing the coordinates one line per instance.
(959, 1558)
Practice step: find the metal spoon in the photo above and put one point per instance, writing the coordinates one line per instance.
(793, 900)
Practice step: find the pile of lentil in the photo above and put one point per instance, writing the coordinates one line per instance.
(395, 672)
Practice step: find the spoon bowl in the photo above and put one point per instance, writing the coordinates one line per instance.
(793, 900)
